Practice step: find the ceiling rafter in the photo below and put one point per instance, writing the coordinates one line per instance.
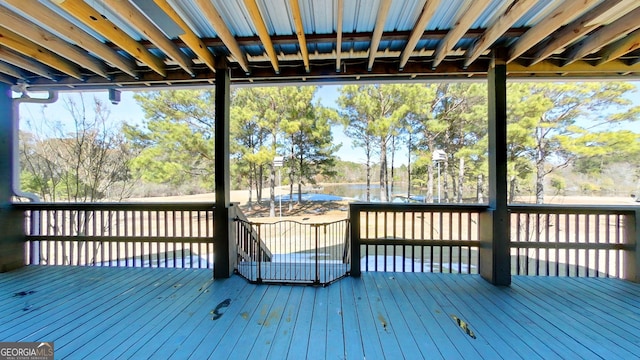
(263, 33)
(620, 48)
(576, 29)
(11, 70)
(604, 35)
(383, 11)
(138, 20)
(26, 64)
(340, 16)
(582, 67)
(297, 20)
(189, 37)
(47, 40)
(467, 16)
(517, 9)
(212, 14)
(6, 79)
(57, 23)
(562, 14)
(416, 34)
(28, 48)
(92, 18)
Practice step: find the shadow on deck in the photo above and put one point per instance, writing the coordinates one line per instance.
(93, 312)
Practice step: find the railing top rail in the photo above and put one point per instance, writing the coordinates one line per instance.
(401, 207)
(115, 206)
(572, 209)
(252, 222)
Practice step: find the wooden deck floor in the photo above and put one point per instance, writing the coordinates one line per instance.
(92, 313)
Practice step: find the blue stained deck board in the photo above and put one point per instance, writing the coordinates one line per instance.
(300, 336)
(596, 320)
(352, 332)
(269, 332)
(335, 346)
(280, 343)
(318, 329)
(206, 338)
(556, 316)
(94, 313)
(101, 321)
(395, 318)
(496, 298)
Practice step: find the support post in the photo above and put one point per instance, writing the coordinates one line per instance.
(495, 258)
(631, 256)
(354, 239)
(12, 254)
(224, 256)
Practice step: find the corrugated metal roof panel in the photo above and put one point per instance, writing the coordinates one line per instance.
(278, 22)
(233, 13)
(318, 17)
(403, 15)
(192, 15)
(360, 15)
(447, 14)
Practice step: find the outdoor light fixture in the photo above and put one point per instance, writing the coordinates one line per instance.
(114, 96)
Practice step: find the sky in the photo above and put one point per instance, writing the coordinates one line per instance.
(128, 111)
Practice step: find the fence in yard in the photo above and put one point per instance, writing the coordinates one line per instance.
(298, 252)
(119, 234)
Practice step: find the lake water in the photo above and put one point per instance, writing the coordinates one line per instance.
(356, 192)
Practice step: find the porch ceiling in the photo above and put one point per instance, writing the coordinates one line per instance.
(67, 44)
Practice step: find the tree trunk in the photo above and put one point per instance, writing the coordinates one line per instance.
(513, 188)
(251, 177)
(480, 190)
(409, 167)
(393, 155)
(368, 154)
(540, 180)
(272, 191)
(383, 171)
(259, 183)
(445, 182)
(460, 180)
(429, 198)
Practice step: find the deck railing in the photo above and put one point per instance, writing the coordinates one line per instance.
(577, 241)
(119, 234)
(415, 237)
(545, 240)
(299, 252)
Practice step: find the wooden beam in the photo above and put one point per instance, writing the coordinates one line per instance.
(12, 71)
(576, 29)
(223, 244)
(55, 22)
(297, 19)
(263, 33)
(213, 16)
(605, 35)
(34, 51)
(6, 79)
(383, 11)
(467, 15)
(138, 20)
(418, 29)
(562, 14)
(577, 67)
(92, 18)
(511, 15)
(339, 16)
(47, 40)
(26, 64)
(189, 37)
(620, 48)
